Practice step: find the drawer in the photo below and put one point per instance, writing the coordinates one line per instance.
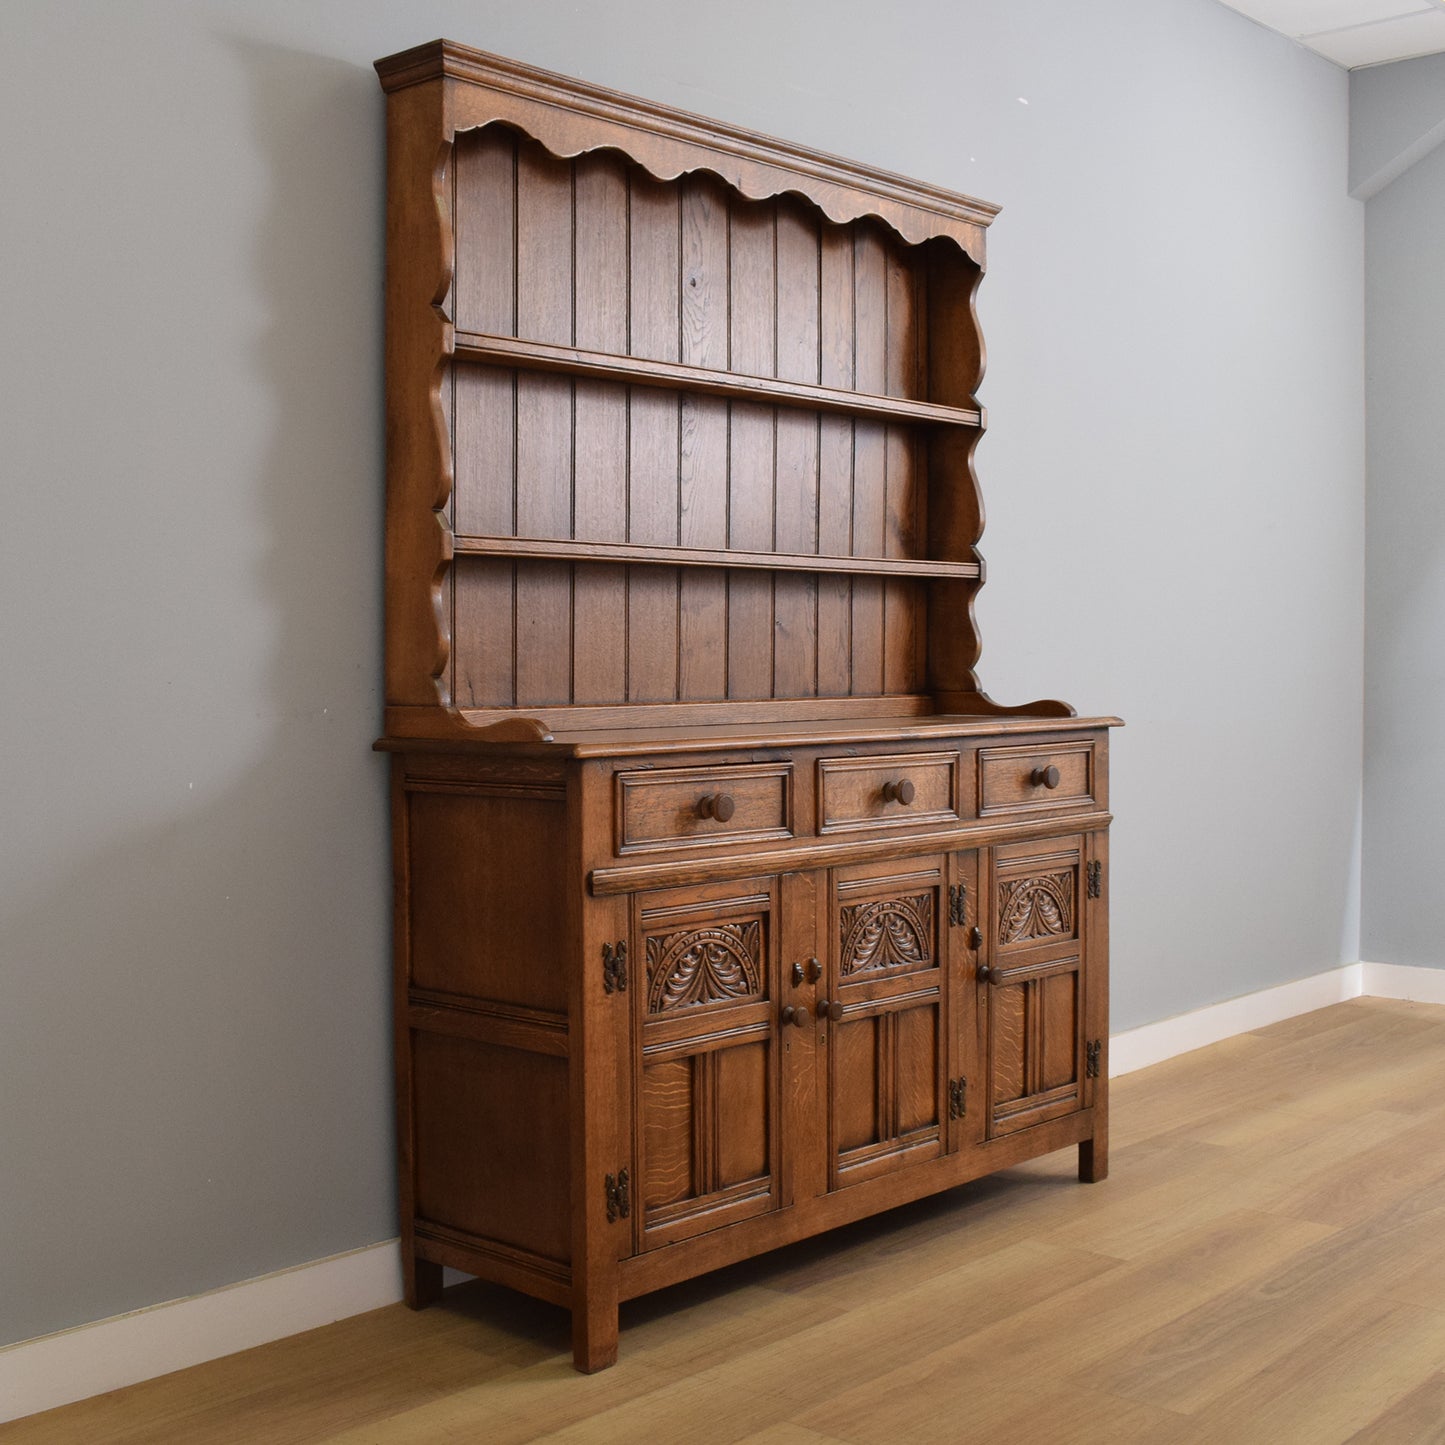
(1035, 779)
(887, 792)
(681, 807)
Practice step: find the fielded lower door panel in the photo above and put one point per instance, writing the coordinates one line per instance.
(888, 1031)
(1033, 983)
(707, 1130)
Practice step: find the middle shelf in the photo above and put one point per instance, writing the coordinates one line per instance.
(637, 371)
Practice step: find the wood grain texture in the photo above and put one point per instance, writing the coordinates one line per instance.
(667, 1111)
(969, 1301)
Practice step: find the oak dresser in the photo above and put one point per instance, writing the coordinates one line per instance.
(728, 907)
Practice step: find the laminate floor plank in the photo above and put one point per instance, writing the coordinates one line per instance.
(1394, 1056)
(1333, 1382)
(831, 1358)
(1407, 1165)
(1214, 1349)
(1289, 1172)
(1066, 1334)
(790, 1435)
(1266, 1263)
(1009, 1410)
(1418, 1417)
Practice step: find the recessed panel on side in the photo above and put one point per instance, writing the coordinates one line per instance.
(486, 898)
(491, 1153)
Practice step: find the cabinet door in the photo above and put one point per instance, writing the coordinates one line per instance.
(1033, 982)
(888, 1046)
(706, 1116)
(967, 1089)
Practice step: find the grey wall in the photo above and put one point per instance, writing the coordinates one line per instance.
(1397, 117)
(193, 876)
(1393, 108)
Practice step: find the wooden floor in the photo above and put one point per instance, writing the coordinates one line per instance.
(1266, 1263)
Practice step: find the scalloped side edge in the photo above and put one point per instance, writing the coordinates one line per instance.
(511, 730)
(980, 704)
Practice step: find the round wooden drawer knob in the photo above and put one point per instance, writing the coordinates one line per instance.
(795, 1014)
(902, 791)
(830, 1009)
(1045, 777)
(717, 805)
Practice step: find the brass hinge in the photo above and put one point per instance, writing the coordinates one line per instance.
(614, 967)
(957, 1098)
(957, 904)
(1092, 1050)
(1096, 878)
(619, 1197)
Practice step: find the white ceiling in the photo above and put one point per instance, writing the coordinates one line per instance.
(1354, 32)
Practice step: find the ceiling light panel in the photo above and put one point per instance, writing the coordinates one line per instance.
(1309, 17)
(1398, 39)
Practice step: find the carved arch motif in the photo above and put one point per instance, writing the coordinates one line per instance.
(887, 933)
(704, 965)
(1041, 907)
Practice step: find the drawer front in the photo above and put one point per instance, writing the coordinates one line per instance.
(887, 792)
(1035, 779)
(681, 807)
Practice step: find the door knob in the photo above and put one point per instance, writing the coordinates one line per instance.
(795, 1013)
(830, 1009)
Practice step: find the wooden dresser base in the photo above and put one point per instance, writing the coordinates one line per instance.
(623, 1063)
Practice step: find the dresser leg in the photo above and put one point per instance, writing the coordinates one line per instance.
(421, 1280)
(594, 1334)
(1094, 1159)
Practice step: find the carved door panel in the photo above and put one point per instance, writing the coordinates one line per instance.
(706, 1118)
(1032, 982)
(887, 1028)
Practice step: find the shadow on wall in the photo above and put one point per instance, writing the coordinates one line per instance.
(197, 1029)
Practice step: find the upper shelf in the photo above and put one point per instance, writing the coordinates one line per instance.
(638, 371)
(534, 548)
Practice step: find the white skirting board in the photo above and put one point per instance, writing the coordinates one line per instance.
(1398, 980)
(74, 1364)
(1153, 1043)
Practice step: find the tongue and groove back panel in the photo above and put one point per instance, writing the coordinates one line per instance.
(588, 261)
